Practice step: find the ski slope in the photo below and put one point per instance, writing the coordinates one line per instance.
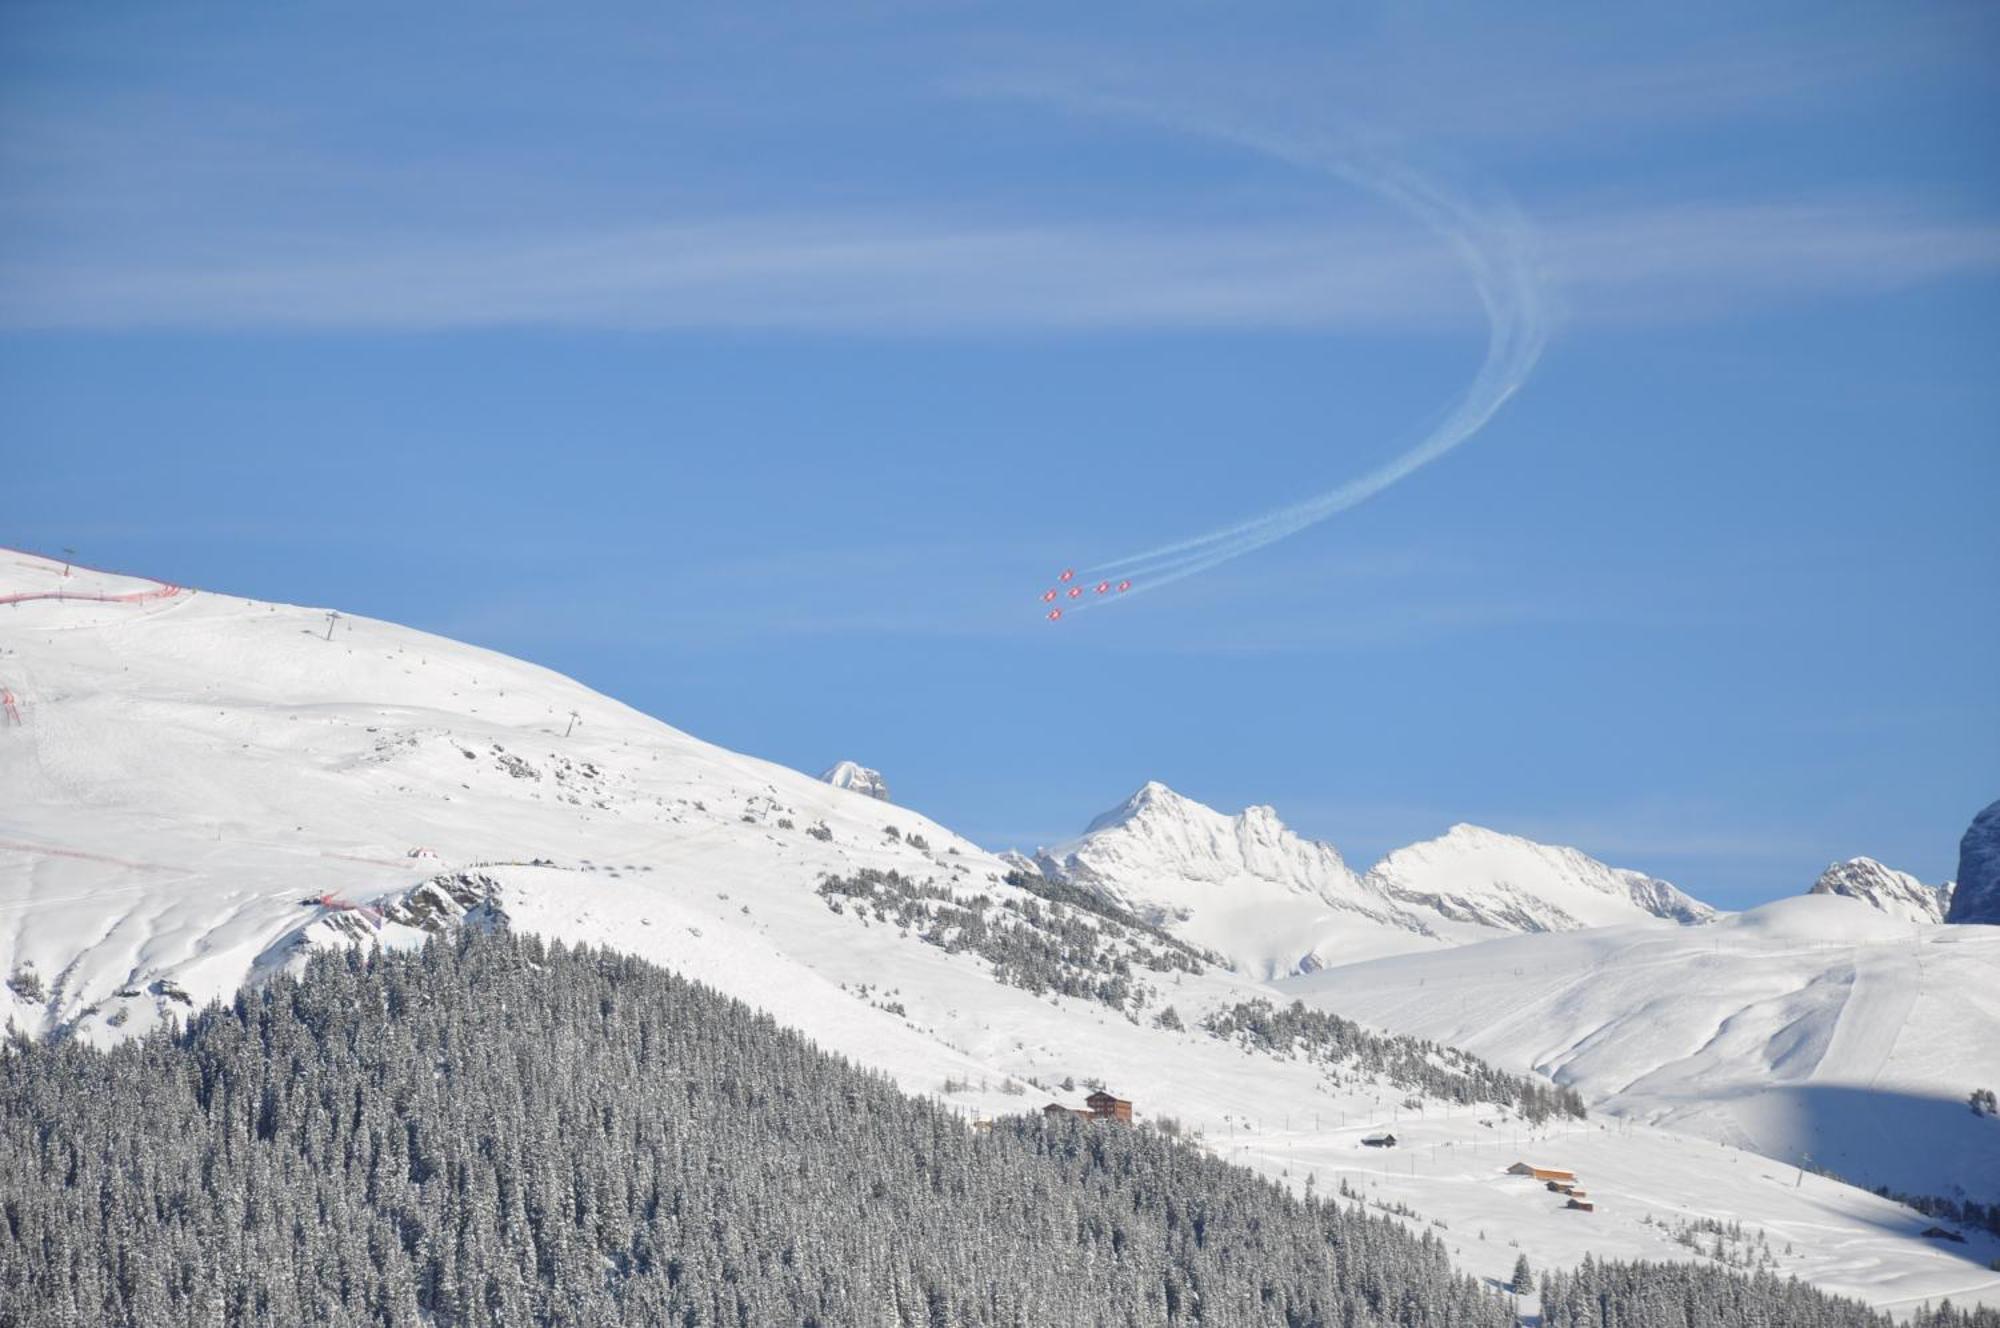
(199, 786)
(1818, 1029)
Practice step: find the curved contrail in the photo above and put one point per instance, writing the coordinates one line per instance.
(1494, 243)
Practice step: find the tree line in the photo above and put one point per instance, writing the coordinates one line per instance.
(1348, 1051)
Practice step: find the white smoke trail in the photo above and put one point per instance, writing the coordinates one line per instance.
(1493, 241)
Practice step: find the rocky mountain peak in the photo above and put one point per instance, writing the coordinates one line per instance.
(1977, 895)
(1896, 893)
(1152, 801)
(1275, 901)
(859, 779)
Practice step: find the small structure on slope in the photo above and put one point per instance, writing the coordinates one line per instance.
(1099, 1106)
(1379, 1141)
(1103, 1106)
(1541, 1173)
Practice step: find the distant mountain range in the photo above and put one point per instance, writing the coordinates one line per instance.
(1274, 902)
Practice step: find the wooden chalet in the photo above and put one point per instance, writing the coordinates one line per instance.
(1379, 1141)
(1541, 1173)
(1581, 1205)
(1103, 1106)
(1058, 1109)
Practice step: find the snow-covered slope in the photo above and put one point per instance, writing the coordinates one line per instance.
(1274, 902)
(1507, 883)
(858, 779)
(1976, 897)
(1818, 1026)
(1898, 894)
(199, 785)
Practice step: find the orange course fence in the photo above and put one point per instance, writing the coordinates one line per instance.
(158, 590)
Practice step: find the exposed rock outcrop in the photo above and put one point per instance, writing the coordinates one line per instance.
(858, 779)
(1976, 898)
(1898, 894)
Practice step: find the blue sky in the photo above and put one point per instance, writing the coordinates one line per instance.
(759, 368)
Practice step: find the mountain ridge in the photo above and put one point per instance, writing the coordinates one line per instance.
(1278, 902)
(1896, 893)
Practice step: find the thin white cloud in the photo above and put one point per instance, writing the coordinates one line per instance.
(905, 275)
(837, 274)
(1520, 82)
(1708, 260)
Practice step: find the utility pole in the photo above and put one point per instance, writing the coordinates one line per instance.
(331, 615)
(572, 724)
(69, 557)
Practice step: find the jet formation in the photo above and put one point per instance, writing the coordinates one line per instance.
(1057, 591)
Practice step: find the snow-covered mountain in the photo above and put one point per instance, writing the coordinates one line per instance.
(1274, 902)
(195, 787)
(1243, 886)
(1976, 897)
(858, 779)
(1508, 883)
(1898, 894)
